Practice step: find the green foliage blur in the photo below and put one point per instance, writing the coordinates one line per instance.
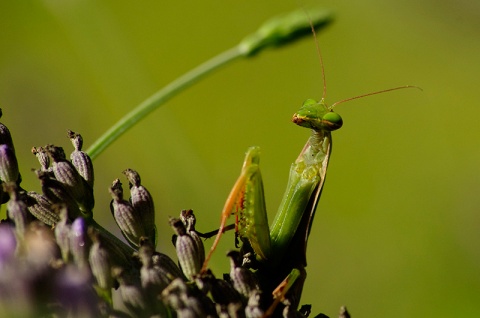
(397, 229)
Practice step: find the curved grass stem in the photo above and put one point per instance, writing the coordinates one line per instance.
(159, 98)
(275, 32)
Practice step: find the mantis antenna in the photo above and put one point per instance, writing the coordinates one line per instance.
(374, 93)
(320, 58)
(319, 52)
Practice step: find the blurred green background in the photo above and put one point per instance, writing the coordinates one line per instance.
(397, 229)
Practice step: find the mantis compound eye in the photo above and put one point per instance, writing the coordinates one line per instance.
(332, 121)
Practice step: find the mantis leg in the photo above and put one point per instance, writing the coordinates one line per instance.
(247, 201)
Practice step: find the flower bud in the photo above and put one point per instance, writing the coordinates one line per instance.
(62, 231)
(40, 246)
(8, 244)
(254, 309)
(344, 312)
(40, 207)
(120, 254)
(42, 157)
(100, 262)
(124, 214)
(175, 294)
(131, 292)
(78, 242)
(188, 218)
(66, 173)
(187, 251)
(71, 287)
(5, 136)
(80, 159)
(236, 310)
(55, 192)
(142, 202)
(163, 262)
(8, 164)
(153, 278)
(222, 292)
(17, 209)
(167, 265)
(185, 302)
(244, 281)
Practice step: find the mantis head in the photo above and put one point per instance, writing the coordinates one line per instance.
(317, 116)
(320, 117)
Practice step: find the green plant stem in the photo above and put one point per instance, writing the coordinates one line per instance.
(275, 32)
(160, 97)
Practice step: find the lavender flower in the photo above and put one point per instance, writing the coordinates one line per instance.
(56, 260)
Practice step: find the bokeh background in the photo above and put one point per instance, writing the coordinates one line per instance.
(397, 229)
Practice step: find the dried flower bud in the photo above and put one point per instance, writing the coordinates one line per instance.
(244, 281)
(40, 246)
(142, 202)
(175, 294)
(163, 262)
(66, 173)
(222, 292)
(120, 254)
(5, 136)
(185, 302)
(78, 242)
(62, 231)
(344, 312)
(40, 207)
(187, 252)
(167, 265)
(55, 192)
(124, 214)
(185, 216)
(236, 310)
(131, 292)
(254, 309)
(100, 262)
(78, 300)
(188, 218)
(153, 279)
(8, 244)
(80, 159)
(8, 164)
(17, 209)
(42, 157)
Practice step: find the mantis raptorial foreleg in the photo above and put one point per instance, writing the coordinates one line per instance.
(247, 200)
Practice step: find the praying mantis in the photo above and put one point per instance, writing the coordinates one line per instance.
(280, 250)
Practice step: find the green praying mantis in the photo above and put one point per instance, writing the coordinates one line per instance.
(280, 250)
